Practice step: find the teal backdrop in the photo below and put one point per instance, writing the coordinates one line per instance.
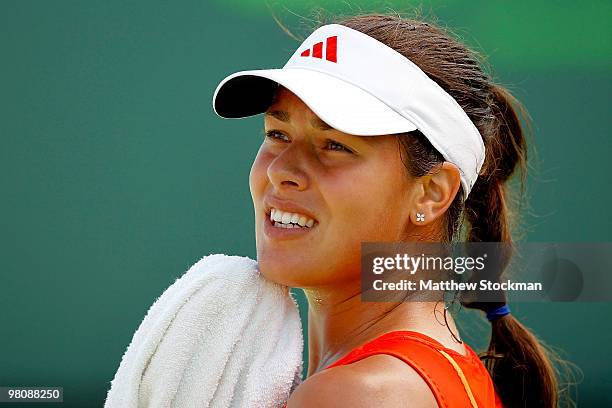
(116, 176)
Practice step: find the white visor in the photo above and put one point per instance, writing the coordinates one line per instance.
(360, 86)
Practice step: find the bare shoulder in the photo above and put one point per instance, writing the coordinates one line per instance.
(376, 381)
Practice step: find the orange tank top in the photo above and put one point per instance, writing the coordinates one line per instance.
(456, 381)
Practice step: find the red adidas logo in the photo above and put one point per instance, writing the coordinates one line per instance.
(331, 46)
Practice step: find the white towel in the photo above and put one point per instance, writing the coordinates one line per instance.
(220, 336)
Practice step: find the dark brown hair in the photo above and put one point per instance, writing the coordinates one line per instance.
(519, 365)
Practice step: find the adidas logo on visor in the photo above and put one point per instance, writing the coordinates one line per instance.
(331, 47)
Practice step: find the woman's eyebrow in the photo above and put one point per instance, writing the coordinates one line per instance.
(280, 115)
(284, 116)
(319, 124)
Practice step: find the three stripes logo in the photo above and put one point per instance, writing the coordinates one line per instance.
(331, 47)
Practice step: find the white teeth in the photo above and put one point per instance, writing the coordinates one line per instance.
(280, 225)
(289, 220)
(286, 218)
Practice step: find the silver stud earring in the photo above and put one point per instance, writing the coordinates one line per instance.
(420, 217)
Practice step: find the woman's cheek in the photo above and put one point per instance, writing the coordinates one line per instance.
(258, 175)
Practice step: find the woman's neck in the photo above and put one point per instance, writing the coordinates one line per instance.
(338, 321)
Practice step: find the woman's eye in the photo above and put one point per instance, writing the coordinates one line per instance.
(338, 146)
(275, 134)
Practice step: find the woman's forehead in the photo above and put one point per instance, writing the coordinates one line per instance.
(286, 106)
(284, 97)
(286, 116)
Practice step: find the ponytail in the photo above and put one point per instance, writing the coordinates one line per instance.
(519, 365)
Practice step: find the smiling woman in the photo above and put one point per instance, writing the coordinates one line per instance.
(383, 129)
(312, 170)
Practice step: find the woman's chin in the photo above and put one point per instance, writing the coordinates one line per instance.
(279, 272)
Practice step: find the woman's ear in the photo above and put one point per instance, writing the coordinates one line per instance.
(435, 192)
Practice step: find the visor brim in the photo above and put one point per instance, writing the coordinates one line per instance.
(338, 103)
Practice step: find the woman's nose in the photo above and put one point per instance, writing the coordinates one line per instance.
(287, 170)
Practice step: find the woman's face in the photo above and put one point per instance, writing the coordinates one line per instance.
(349, 189)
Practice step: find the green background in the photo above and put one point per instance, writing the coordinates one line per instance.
(116, 176)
